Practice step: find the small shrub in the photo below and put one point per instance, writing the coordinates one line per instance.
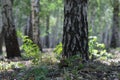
(58, 50)
(97, 50)
(31, 50)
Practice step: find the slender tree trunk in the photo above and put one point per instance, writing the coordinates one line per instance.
(47, 31)
(75, 30)
(28, 28)
(106, 37)
(35, 23)
(10, 37)
(115, 27)
(1, 42)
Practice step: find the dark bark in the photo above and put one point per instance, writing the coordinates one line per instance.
(11, 43)
(115, 27)
(75, 30)
(47, 31)
(10, 37)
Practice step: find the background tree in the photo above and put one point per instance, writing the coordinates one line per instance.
(1, 40)
(28, 28)
(35, 22)
(47, 30)
(11, 43)
(100, 20)
(115, 40)
(51, 22)
(1, 33)
(53, 8)
(75, 30)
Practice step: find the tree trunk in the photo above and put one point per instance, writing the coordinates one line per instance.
(28, 28)
(115, 26)
(75, 30)
(1, 43)
(10, 37)
(106, 37)
(35, 23)
(47, 31)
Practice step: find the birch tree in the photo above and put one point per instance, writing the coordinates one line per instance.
(35, 22)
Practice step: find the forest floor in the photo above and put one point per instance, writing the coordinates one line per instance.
(19, 69)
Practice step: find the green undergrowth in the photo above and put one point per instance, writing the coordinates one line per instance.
(11, 65)
(58, 51)
(38, 73)
(96, 49)
(71, 62)
(41, 62)
(31, 50)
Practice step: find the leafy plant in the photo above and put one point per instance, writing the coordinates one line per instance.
(97, 50)
(31, 50)
(39, 73)
(58, 50)
(66, 75)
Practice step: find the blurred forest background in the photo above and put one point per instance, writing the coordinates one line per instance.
(100, 20)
